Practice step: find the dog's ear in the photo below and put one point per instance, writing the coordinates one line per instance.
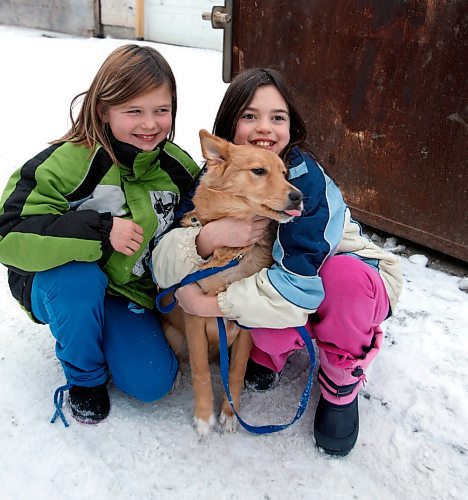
(214, 149)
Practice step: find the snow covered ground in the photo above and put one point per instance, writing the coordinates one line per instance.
(413, 441)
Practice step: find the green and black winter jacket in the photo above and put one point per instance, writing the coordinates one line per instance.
(58, 208)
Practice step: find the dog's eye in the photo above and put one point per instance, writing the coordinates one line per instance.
(258, 171)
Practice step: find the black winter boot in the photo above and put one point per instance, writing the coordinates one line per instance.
(336, 427)
(260, 378)
(89, 405)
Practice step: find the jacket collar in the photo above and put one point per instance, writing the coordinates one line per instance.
(297, 164)
(133, 161)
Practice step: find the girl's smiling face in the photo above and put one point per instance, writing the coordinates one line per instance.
(265, 121)
(143, 122)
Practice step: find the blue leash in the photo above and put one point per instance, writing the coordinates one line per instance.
(224, 357)
(191, 278)
(304, 401)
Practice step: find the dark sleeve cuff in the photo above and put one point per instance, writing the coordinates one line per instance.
(105, 229)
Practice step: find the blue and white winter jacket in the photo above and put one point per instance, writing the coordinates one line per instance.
(291, 289)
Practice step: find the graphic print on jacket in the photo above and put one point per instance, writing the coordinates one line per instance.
(163, 203)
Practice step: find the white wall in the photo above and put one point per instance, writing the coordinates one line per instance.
(179, 22)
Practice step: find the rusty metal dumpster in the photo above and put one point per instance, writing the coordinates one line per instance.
(382, 86)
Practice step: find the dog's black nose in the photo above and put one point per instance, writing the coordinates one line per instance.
(295, 197)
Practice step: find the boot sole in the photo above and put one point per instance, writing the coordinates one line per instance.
(331, 446)
(88, 421)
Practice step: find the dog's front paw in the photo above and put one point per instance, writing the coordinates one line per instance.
(204, 427)
(228, 423)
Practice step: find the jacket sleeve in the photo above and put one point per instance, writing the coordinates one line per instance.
(38, 230)
(175, 256)
(291, 289)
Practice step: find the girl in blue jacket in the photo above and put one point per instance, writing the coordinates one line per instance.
(325, 275)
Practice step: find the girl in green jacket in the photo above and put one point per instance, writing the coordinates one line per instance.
(78, 223)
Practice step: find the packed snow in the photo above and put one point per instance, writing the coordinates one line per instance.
(413, 441)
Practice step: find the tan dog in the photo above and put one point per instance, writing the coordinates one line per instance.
(240, 182)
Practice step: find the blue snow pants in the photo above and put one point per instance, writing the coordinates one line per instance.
(97, 333)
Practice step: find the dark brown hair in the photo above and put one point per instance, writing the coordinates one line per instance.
(239, 95)
(128, 72)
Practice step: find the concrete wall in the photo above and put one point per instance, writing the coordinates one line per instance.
(118, 18)
(76, 17)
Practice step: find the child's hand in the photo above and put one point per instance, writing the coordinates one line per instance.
(125, 236)
(193, 301)
(230, 232)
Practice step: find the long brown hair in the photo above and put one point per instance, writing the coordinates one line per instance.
(129, 71)
(240, 93)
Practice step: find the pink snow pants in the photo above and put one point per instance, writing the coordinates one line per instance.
(347, 330)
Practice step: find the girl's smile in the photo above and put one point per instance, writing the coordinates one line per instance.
(146, 138)
(143, 122)
(265, 121)
(263, 143)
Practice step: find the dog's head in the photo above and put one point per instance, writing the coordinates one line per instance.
(253, 174)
